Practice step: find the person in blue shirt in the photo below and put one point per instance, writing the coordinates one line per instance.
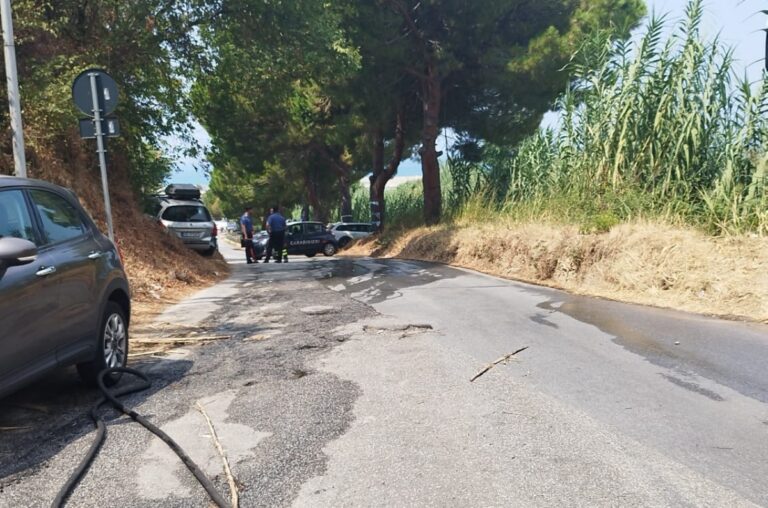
(246, 229)
(276, 226)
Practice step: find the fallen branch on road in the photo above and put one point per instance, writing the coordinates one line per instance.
(257, 337)
(147, 353)
(503, 359)
(179, 340)
(220, 449)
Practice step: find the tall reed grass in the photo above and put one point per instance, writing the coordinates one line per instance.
(404, 205)
(655, 127)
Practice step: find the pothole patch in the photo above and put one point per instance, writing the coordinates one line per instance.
(404, 330)
(317, 310)
(161, 471)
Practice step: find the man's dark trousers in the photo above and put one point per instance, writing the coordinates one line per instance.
(276, 240)
(250, 252)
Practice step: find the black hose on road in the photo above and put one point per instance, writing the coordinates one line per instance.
(101, 432)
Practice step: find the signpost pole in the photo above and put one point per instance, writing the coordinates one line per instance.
(14, 103)
(100, 150)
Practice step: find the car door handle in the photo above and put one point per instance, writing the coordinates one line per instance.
(47, 270)
(95, 255)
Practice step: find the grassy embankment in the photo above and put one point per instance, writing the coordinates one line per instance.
(159, 267)
(652, 190)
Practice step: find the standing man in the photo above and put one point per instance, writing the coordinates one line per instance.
(246, 229)
(276, 226)
(264, 226)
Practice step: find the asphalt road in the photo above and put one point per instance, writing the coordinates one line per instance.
(347, 383)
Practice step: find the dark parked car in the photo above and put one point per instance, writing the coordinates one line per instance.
(64, 297)
(307, 238)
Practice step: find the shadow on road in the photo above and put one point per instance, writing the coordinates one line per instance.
(39, 421)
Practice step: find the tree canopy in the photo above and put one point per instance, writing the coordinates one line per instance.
(302, 98)
(327, 92)
(141, 44)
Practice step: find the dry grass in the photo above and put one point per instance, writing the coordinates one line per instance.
(158, 264)
(150, 336)
(160, 269)
(646, 263)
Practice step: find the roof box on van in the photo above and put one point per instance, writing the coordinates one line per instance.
(183, 191)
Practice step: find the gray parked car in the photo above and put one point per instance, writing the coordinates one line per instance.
(182, 213)
(64, 297)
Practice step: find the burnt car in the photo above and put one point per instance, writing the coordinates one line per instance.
(305, 237)
(64, 296)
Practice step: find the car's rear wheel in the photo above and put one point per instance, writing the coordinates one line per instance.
(329, 249)
(111, 348)
(209, 252)
(343, 242)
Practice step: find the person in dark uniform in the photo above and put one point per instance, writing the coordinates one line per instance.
(264, 226)
(246, 229)
(276, 226)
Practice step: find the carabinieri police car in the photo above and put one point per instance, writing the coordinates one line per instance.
(307, 238)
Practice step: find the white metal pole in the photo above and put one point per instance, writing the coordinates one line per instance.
(14, 103)
(101, 151)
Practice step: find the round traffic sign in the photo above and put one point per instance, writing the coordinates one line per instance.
(106, 92)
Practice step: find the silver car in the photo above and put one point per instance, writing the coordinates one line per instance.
(188, 219)
(191, 222)
(345, 232)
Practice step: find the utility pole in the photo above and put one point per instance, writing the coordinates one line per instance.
(14, 103)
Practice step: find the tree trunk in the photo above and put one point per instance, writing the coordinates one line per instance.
(312, 196)
(377, 189)
(346, 197)
(430, 166)
(381, 174)
(343, 171)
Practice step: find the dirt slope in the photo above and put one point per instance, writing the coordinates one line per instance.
(158, 265)
(645, 263)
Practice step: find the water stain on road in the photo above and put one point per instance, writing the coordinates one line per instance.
(678, 341)
(376, 281)
(693, 387)
(161, 473)
(727, 353)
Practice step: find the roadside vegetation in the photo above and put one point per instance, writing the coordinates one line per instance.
(140, 44)
(651, 132)
(651, 188)
(321, 96)
(657, 130)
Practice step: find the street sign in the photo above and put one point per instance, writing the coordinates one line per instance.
(106, 92)
(95, 94)
(109, 126)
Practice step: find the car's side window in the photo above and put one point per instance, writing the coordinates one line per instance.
(15, 220)
(294, 229)
(314, 228)
(61, 221)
